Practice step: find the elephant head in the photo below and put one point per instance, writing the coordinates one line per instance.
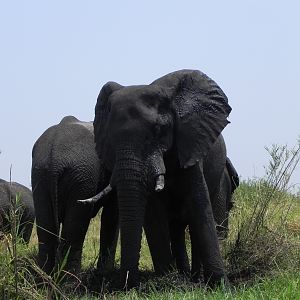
(142, 131)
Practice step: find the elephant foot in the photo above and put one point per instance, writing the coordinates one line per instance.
(162, 269)
(217, 280)
(197, 277)
(105, 266)
(183, 269)
(46, 265)
(197, 272)
(71, 269)
(68, 259)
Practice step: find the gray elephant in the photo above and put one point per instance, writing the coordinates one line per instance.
(24, 210)
(65, 168)
(155, 138)
(178, 218)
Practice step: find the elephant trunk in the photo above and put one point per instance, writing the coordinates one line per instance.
(131, 188)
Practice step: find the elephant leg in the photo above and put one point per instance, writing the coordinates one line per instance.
(177, 233)
(221, 205)
(74, 228)
(26, 224)
(48, 235)
(109, 231)
(197, 266)
(24, 230)
(221, 217)
(202, 227)
(157, 233)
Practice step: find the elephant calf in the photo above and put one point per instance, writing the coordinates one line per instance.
(24, 209)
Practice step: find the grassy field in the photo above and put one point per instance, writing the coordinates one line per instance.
(261, 253)
(254, 273)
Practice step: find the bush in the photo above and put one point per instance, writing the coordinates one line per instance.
(261, 240)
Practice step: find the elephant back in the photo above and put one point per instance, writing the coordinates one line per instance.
(23, 197)
(65, 153)
(4, 197)
(69, 139)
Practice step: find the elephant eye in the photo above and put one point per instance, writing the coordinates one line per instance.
(157, 130)
(161, 129)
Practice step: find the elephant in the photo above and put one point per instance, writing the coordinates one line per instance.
(221, 201)
(24, 210)
(65, 168)
(153, 140)
(166, 256)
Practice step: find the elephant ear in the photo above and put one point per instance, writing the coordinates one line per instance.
(201, 110)
(102, 110)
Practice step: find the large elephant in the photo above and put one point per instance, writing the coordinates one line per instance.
(155, 137)
(166, 220)
(65, 168)
(24, 209)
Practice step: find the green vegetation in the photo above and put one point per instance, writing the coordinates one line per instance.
(261, 253)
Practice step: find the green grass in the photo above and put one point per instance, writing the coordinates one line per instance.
(261, 253)
(279, 280)
(280, 285)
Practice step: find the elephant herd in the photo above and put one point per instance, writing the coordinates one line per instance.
(153, 158)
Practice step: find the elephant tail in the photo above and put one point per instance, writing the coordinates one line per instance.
(234, 179)
(54, 200)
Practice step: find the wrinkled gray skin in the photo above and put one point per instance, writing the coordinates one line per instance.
(178, 218)
(165, 128)
(166, 237)
(24, 208)
(65, 168)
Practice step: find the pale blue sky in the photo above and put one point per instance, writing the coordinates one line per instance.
(56, 55)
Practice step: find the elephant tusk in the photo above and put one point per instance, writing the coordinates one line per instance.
(98, 196)
(160, 183)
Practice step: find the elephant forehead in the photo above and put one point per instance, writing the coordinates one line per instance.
(137, 93)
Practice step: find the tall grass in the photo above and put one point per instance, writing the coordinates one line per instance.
(20, 277)
(261, 240)
(15, 262)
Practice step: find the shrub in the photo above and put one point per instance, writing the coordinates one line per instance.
(261, 239)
